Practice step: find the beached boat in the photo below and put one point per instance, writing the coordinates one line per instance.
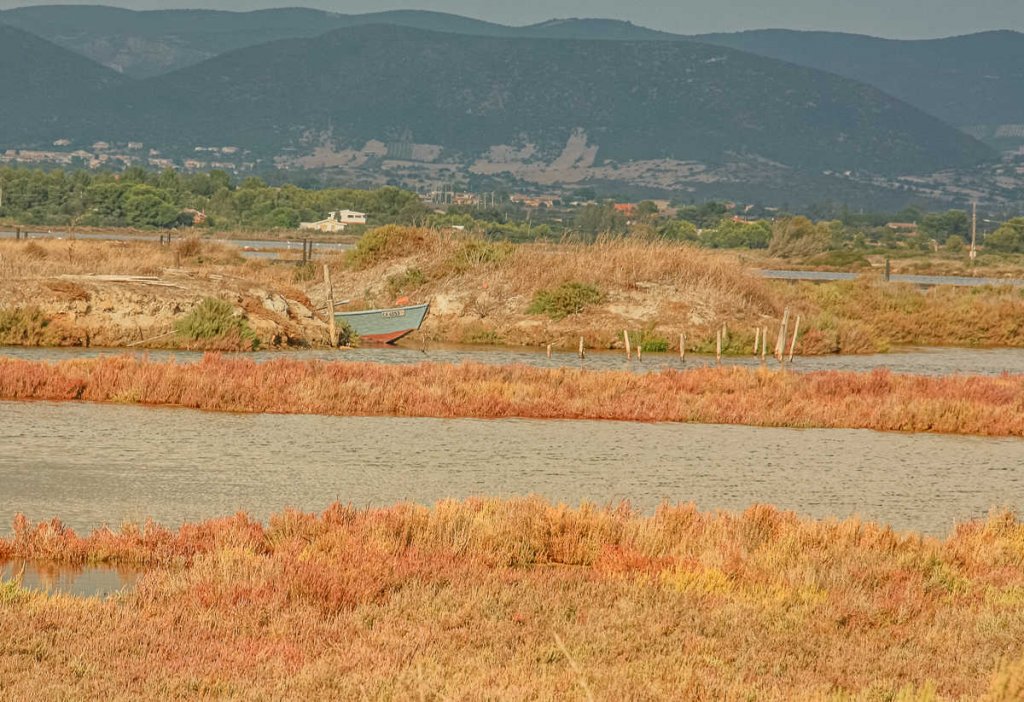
(384, 326)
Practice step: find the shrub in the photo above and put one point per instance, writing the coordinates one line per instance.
(22, 326)
(346, 334)
(304, 272)
(214, 319)
(478, 252)
(652, 343)
(566, 299)
(385, 243)
(798, 236)
(405, 281)
(189, 247)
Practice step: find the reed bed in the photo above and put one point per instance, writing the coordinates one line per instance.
(521, 599)
(881, 400)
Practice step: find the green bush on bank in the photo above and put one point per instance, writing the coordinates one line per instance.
(214, 319)
(567, 299)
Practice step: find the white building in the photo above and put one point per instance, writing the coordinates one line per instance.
(336, 221)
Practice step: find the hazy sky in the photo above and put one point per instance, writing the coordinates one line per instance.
(889, 18)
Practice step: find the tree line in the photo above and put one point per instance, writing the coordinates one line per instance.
(147, 199)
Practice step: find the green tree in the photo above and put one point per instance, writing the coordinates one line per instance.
(1009, 238)
(143, 208)
(601, 219)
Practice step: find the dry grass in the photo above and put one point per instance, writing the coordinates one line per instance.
(881, 400)
(487, 599)
(866, 316)
(481, 292)
(484, 289)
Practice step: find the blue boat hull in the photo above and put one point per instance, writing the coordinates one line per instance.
(384, 326)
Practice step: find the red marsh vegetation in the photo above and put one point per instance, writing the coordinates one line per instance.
(982, 405)
(491, 599)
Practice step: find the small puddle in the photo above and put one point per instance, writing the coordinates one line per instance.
(81, 581)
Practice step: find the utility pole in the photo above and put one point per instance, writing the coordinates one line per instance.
(974, 230)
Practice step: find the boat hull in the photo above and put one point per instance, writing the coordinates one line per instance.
(384, 326)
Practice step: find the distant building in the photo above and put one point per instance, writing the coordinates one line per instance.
(534, 201)
(903, 227)
(336, 221)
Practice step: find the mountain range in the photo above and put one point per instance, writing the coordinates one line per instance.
(420, 96)
(975, 82)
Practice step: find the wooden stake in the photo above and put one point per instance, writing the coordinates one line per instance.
(332, 329)
(682, 347)
(629, 353)
(549, 350)
(640, 351)
(582, 352)
(780, 343)
(796, 331)
(764, 345)
(757, 341)
(718, 347)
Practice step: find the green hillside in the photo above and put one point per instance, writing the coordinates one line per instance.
(975, 82)
(970, 81)
(147, 43)
(39, 82)
(633, 101)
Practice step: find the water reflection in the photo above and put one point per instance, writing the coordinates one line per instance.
(83, 581)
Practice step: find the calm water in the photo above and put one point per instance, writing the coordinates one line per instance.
(928, 361)
(913, 279)
(85, 581)
(95, 464)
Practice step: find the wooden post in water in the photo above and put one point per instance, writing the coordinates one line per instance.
(17, 234)
(682, 347)
(764, 344)
(757, 340)
(780, 343)
(549, 350)
(640, 351)
(792, 344)
(629, 352)
(718, 347)
(331, 328)
(583, 354)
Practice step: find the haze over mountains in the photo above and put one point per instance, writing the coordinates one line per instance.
(568, 101)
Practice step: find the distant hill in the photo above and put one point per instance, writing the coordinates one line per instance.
(143, 44)
(569, 104)
(974, 82)
(38, 80)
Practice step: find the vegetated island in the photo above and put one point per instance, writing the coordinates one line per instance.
(979, 405)
(485, 599)
(204, 295)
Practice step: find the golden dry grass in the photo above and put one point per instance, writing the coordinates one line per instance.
(481, 292)
(488, 599)
(983, 405)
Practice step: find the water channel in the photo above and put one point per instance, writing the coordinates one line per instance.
(92, 464)
(84, 581)
(920, 361)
